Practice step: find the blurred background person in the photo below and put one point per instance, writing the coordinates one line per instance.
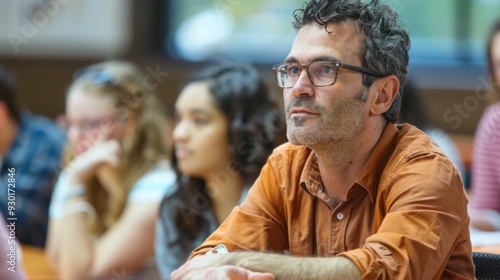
(485, 192)
(105, 203)
(412, 111)
(32, 146)
(226, 127)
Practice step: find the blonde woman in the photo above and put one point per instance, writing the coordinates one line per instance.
(103, 209)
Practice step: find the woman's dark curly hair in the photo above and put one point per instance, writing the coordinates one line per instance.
(253, 121)
(386, 42)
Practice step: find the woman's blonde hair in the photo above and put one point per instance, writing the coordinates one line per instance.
(142, 148)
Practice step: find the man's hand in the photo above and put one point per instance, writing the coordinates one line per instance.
(209, 267)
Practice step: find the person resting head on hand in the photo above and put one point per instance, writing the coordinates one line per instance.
(116, 170)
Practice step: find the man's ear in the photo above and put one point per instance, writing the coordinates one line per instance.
(386, 89)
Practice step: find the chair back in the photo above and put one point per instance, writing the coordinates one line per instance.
(487, 265)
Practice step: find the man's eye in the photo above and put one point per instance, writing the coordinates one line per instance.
(293, 70)
(328, 69)
(200, 121)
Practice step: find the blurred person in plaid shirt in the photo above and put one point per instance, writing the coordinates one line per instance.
(31, 146)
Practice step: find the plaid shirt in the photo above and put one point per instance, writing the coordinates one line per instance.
(35, 154)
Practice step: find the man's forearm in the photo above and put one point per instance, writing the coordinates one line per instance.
(290, 267)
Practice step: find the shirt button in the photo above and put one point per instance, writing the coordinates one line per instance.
(340, 216)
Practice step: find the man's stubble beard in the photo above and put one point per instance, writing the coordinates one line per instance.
(341, 121)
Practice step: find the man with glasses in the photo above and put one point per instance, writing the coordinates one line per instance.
(352, 195)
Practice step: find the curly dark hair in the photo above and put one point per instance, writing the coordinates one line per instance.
(386, 41)
(241, 94)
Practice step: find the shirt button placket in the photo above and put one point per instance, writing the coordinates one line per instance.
(340, 216)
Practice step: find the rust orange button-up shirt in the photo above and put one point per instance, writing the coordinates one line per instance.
(405, 216)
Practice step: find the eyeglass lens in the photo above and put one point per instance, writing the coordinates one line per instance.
(321, 73)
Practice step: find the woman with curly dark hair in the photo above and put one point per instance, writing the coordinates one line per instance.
(226, 123)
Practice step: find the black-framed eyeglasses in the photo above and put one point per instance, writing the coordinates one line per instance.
(320, 73)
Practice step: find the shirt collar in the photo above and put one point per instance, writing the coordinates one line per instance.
(310, 179)
(368, 178)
